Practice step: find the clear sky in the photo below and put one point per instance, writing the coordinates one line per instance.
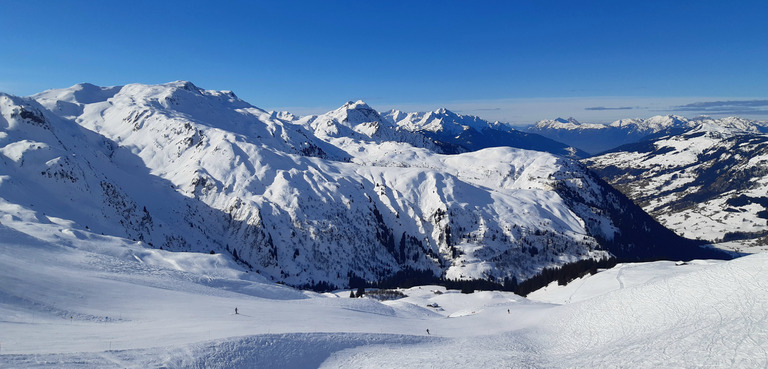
(516, 61)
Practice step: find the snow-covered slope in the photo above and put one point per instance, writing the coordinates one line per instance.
(55, 171)
(73, 298)
(709, 183)
(311, 202)
(597, 138)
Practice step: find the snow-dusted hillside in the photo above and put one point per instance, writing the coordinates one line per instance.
(73, 298)
(597, 138)
(306, 201)
(709, 183)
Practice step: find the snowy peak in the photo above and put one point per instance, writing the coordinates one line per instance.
(354, 113)
(652, 125)
(84, 93)
(453, 133)
(596, 138)
(283, 115)
(730, 126)
(445, 120)
(559, 123)
(438, 121)
(179, 115)
(184, 96)
(672, 124)
(394, 115)
(660, 122)
(353, 119)
(359, 111)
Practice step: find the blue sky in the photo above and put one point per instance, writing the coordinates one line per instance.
(516, 61)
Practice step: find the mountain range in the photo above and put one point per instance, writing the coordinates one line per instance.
(596, 138)
(315, 201)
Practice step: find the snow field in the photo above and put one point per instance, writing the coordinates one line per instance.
(74, 299)
(712, 317)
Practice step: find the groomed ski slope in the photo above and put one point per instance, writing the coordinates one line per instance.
(71, 299)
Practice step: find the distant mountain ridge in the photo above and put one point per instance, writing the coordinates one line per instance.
(442, 130)
(457, 133)
(597, 138)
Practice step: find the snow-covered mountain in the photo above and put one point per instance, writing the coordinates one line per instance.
(356, 121)
(311, 201)
(53, 170)
(708, 183)
(596, 138)
(441, 131)
(454, 133)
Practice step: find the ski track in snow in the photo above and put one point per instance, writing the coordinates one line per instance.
(103, 305)
(618, 277)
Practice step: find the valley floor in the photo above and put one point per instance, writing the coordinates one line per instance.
(70, 299)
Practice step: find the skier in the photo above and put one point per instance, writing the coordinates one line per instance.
(428, 331)
(235, 310)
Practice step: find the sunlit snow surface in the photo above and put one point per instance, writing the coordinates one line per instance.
(74, 299)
